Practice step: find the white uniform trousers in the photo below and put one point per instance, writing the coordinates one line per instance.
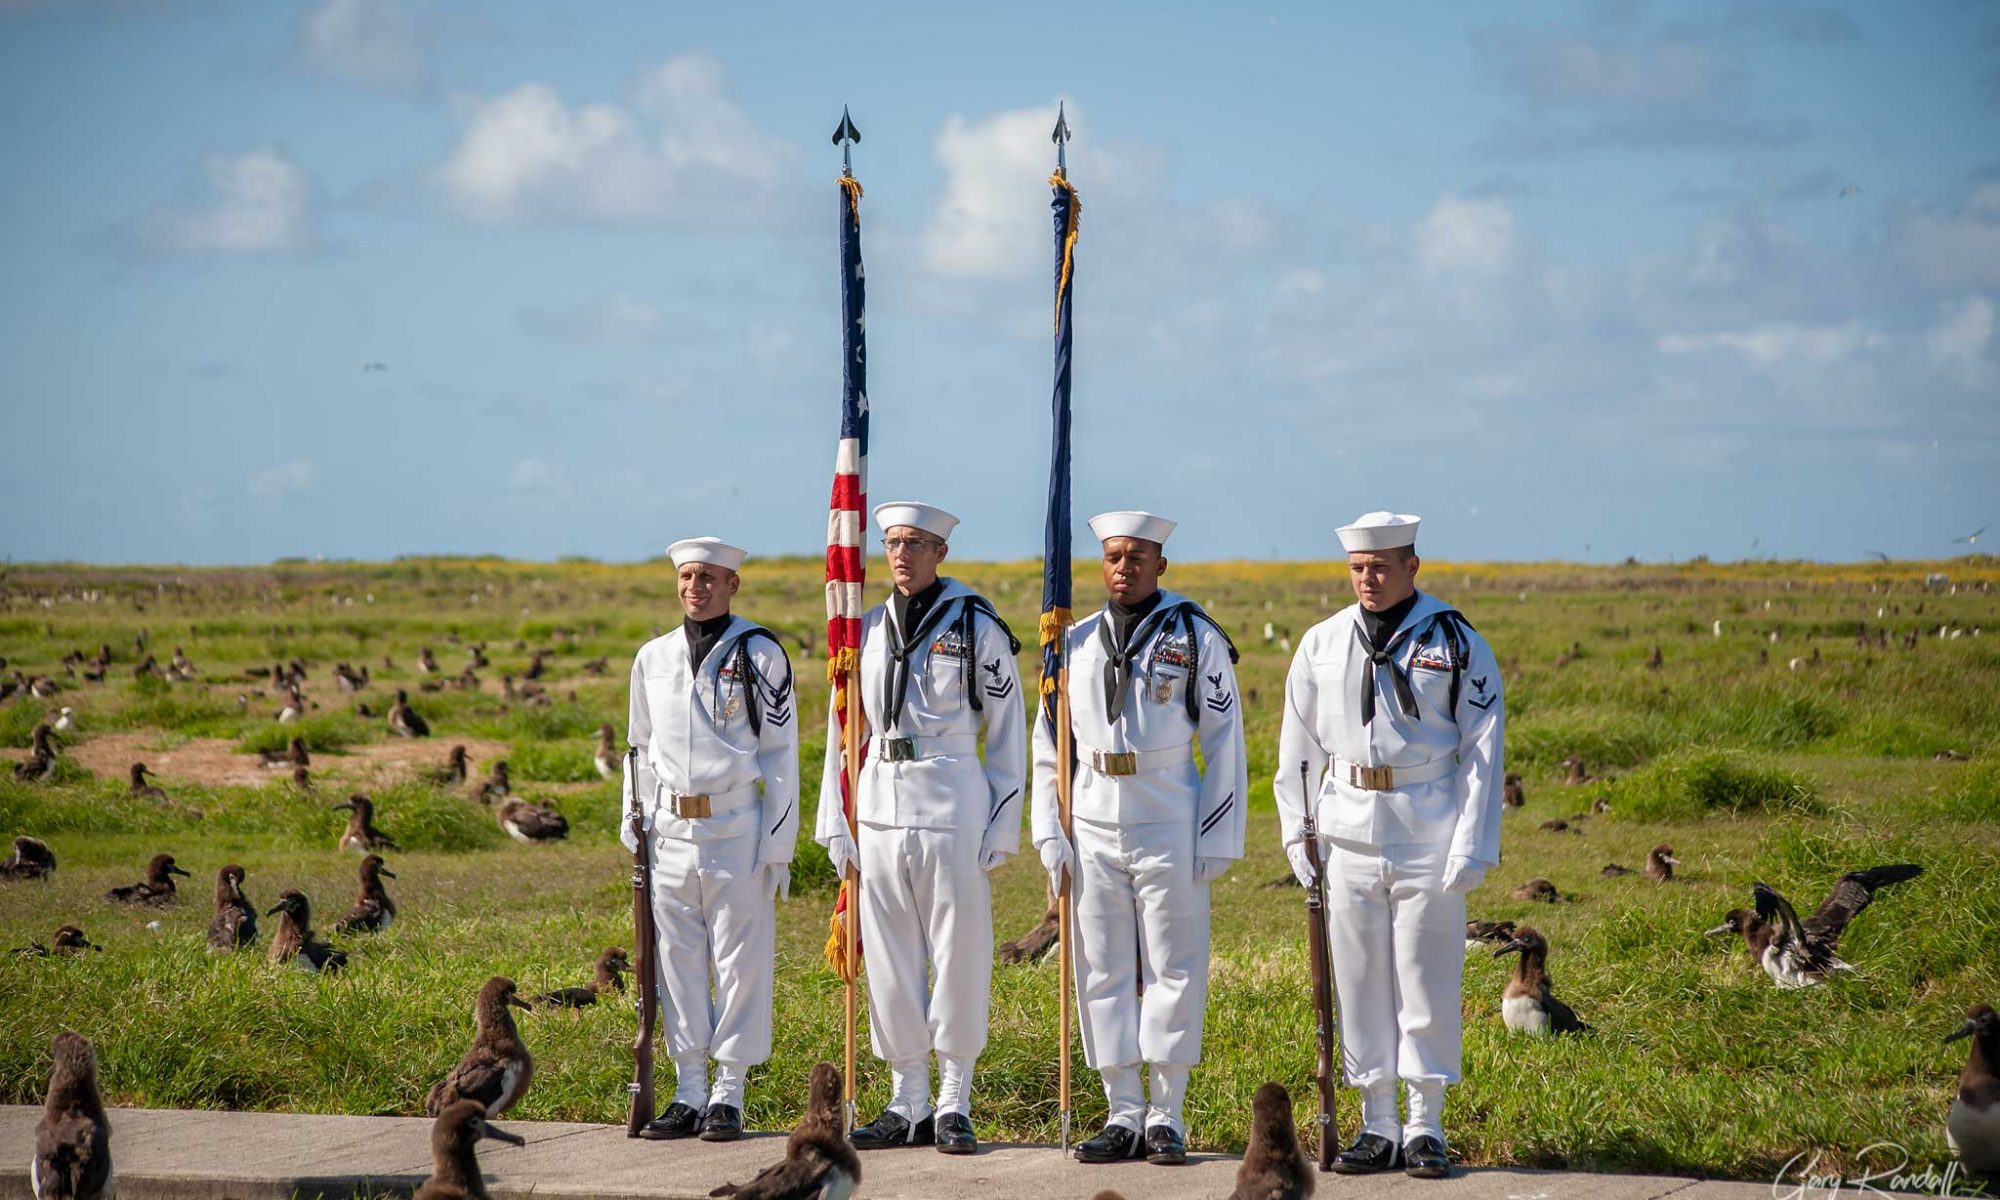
(1398, 944)
(926, 909)
(717, 919)
(1140, 916)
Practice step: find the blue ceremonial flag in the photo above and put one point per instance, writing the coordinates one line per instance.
(1056, 614)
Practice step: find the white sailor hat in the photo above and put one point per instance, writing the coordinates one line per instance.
(1142, 525)
(706, 550)
(1379, 531)
(927, 517)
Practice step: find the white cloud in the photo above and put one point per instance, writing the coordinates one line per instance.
(1958, 342)
(376, 43)
(290, 479)
(679, 151)
(992, 222)
(1301, 281)
(1778, 345)
(258, 204)
(609, 320)
(537, 475)
(1465, 237)
(1959, 249)
(1664, 72)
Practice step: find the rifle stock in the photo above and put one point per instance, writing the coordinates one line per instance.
(646, 973)
(1322, 972)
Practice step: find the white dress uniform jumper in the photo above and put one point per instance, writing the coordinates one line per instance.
(719, 790)
(1150, 831)
(933, 819)
(1402, 744)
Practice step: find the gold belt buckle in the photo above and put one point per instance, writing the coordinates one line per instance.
(899, 749)
(687, 807)
(1374, 779)
(1115, 762)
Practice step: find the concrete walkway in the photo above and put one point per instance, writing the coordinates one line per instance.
(181, 1155)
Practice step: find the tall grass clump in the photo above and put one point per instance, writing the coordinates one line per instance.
(1695, 784)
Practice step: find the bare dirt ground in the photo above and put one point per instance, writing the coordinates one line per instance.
(215, 762)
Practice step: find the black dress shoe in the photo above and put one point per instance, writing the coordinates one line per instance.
(1424, 1158)
(954, 1134)
(1164, 1147)
(1370, 1153)
(892, 1129)
(679, 1121)
(1114, 1144)
(724, 1123)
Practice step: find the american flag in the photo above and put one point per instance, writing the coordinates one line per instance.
(846, 513)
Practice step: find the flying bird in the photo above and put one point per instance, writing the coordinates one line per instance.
(1970, 539)
(1797, 953)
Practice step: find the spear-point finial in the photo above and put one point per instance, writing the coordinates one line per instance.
(844, 136)
(1061, 137)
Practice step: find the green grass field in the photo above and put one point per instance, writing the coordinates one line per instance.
(1751, 767)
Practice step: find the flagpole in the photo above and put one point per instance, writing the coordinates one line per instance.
(844, 578)
(1058, 618)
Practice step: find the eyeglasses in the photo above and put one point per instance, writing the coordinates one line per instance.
(892, 545)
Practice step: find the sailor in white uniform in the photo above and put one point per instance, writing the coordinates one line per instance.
(937, 671)
(1393, 727)
(714, 719)
(1149, 675)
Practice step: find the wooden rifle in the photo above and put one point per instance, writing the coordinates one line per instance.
(1322, 972)
(646, 972)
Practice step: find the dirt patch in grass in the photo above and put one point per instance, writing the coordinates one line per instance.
(216, 762)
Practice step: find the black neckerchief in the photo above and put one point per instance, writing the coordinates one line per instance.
(1377, 631)
(702, 636)
(1121, 622)
(908, 619)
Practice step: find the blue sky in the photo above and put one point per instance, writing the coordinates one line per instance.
(1572, 281)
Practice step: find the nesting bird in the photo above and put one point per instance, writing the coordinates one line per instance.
(234, 925)
(1487, 933)
(1576, 772)
(32, 859)
(497, 1069)
(373, 909)
(426, 662)
(1528, 1006)
(607, 753)
(819, 1160)
(526, 822)
(302, 779)
(68, 941)
(293, 755)
(1537, 889)
(1511, 794)
(294, 707)
(1972, 1127)
(40, 765)
(1274, 1167)
(361, 833)
(139, 789)
(1660, 863)
(73, 1139)
(294, 942)
(65, 720)
(498, 783)
(456, 767)
(609, 978)
(455, 1171)
(1797, 953)
(404, 721)
(157, 888)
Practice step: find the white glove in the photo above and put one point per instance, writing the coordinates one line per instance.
(778, 879)
(1057, 857)
(1302, 868)
(1462, 874)
(1207, 870)
(989, 859)
(844, 855)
